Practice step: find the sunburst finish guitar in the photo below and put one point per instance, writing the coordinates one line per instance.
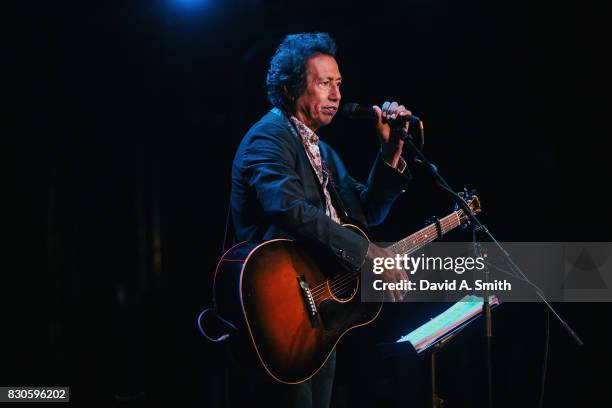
(292, 306)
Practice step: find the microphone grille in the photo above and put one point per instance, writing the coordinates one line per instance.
(349, 109)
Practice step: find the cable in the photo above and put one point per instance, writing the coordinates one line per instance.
(219, 339)
(225, 336)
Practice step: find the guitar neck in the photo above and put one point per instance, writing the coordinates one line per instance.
(428, 234)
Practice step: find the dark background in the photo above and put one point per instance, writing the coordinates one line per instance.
(120, 122)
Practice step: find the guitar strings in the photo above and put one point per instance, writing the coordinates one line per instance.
(447, 224)
(335, 285)
(419, 235)
(337, 292)
(335, 282)
(325, 295)
(339, 284)
(347, 283)
(344, 281)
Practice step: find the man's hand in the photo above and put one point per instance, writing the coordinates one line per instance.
(392, 275)
(388, 119)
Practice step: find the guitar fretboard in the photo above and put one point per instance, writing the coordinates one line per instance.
(427, 234)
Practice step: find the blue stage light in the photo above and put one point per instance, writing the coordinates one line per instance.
(190, 4)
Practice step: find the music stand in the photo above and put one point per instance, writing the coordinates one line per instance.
(435, 334)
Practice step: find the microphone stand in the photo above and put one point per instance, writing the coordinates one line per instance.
(480, 227)
(486, 312)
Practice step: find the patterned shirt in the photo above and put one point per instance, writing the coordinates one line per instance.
(310, 140)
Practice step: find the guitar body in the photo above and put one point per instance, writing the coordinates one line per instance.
(268, 290)
(291, 306)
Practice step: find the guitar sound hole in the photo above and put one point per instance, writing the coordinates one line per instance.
(344, 287)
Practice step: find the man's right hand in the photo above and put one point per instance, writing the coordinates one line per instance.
(392, 275)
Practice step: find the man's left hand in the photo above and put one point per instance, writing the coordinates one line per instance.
(389, 118)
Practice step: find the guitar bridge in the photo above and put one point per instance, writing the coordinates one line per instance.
(309, 302)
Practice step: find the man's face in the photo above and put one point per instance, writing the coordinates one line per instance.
(319, 103)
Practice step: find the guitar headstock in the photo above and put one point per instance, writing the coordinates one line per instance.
(472, 201)
(474, 204)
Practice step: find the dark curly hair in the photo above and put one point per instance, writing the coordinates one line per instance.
(288, 66)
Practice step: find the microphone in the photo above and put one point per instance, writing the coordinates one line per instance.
(357, 111)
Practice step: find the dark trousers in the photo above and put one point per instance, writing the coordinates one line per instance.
(262, 389)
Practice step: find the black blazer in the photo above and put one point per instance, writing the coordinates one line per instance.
(275, 192)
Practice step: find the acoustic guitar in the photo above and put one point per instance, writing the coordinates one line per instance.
(293, 305)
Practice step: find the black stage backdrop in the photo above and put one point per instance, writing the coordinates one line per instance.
(120, 123)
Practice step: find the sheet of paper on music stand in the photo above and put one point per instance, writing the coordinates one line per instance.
(444, 324)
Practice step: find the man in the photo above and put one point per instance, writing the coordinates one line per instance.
(288, 183)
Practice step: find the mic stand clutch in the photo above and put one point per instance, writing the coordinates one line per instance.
(477, 225)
